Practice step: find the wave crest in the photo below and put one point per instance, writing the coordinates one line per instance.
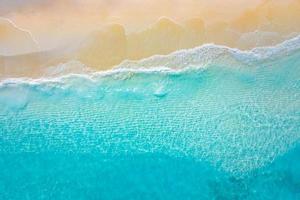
(209, 54)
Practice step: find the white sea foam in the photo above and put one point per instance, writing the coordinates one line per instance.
(210, 53)
(177, 62)
(239, 122)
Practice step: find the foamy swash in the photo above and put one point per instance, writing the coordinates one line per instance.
(236, 110)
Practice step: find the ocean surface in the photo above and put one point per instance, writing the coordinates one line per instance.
(205, 123)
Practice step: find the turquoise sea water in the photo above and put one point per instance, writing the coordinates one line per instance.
(229, 130)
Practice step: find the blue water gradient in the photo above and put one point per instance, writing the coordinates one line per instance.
(229, 130)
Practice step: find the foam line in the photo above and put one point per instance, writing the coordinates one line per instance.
(180, 61)
(23, 30)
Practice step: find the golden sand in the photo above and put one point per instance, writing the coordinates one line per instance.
(96, 42)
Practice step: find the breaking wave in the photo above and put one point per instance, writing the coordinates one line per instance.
(237, 110)
(183, 60)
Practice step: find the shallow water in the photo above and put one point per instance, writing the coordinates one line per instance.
(229, 130)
